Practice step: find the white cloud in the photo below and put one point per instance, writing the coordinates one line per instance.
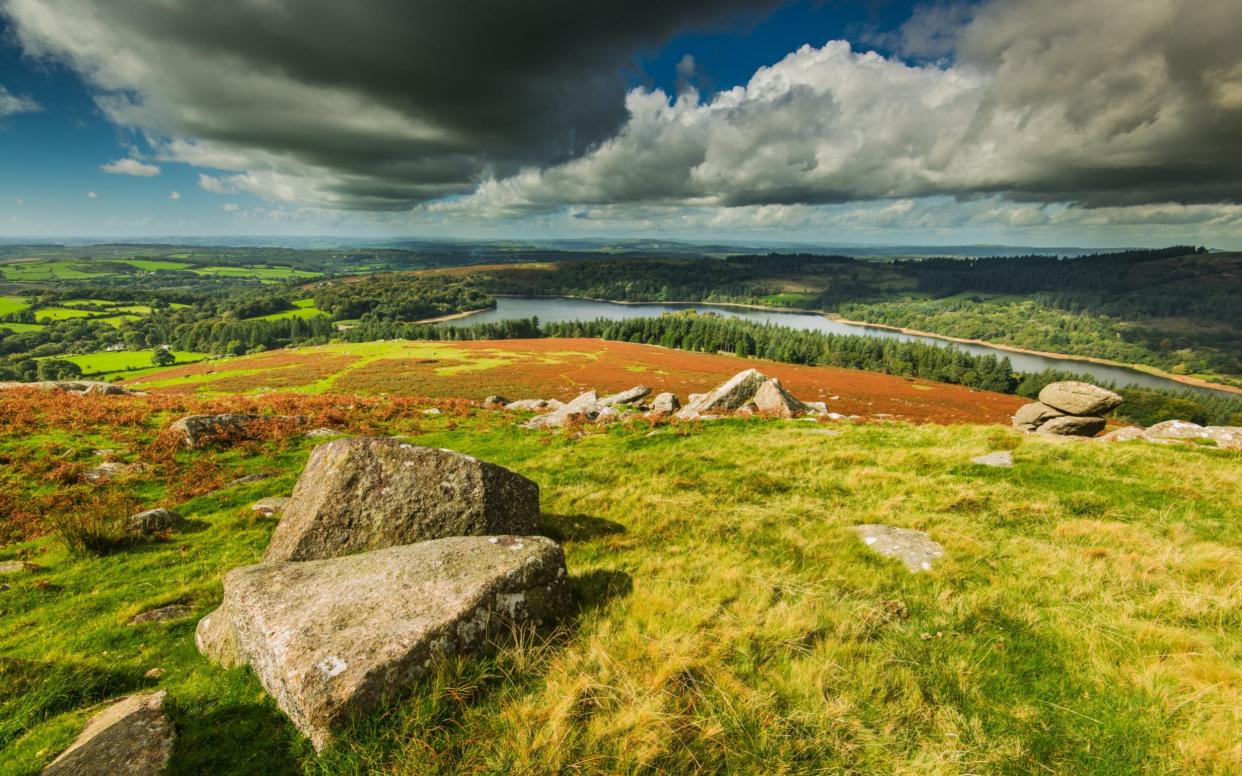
(174, 195)
(130, 167)
(19, 201)
(11, 103)
(230, 207)
(92, 195)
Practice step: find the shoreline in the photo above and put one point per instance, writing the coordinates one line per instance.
(1143, 368)
(1186, 380)
(454, 316)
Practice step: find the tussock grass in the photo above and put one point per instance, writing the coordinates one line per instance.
(1086, 617)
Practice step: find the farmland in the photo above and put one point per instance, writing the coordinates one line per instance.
(99, 365)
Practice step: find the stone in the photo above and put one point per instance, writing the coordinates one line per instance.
(201, 430)
(333, 640)
(272, 505)
(1031, 416)
(12, 567)
(1127, 434)
(162, 614)
(1226, 437)
(365, 493)
(1077, 398)
(73, 386)
(432, 411)
(634, 394)
(132, 737)
(915, 549)
(110, 470)
(154, 673)
(1177, 429)
(773, 399)
(728, 396)
(530, 405)
(665, 403)
(1002, 459)
(1073, 425)
(248, 479)
(817, 407)
(323, 432)
(495, 403)
(153, 521)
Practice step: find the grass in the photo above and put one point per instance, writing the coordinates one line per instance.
(264, 272)
(47, 314)
(21, 326)
(96, 364)
(304, 308)
(1084, 620)
(12, 304)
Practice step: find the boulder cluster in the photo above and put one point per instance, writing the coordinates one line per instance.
(1175, 431)
(1068, 408)
(388, 556)
(746, 393)
(73, 386)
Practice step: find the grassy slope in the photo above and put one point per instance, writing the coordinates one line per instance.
(1085, 619)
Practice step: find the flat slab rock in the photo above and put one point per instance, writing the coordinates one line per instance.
(331, 639)
(132, 737)
(1002, 459)
(162, 614)
(1077, 398)
(915, 549)
(368, 493)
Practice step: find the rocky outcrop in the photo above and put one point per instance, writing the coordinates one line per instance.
(915, 549)
(362, 494)
(750, 392)
(495, 402)
(773, 399)
(73, 386)
(332, 639)
(111, 470)
(132, 737)
(1176, 431)
(533, 405)
(1077, 398)
(153, 521)
(1068, 408)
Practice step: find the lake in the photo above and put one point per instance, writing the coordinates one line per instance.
(560, 309)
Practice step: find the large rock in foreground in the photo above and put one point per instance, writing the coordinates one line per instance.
(331, 640)
(1076, 398)
(728, 396)
(362, 494)
(129, 738)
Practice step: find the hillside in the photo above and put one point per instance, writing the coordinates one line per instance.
(563, 368)
(727, 617)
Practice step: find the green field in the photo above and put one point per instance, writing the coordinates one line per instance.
(305, 308)
(47, 270)
(262, 272)
(21, 326)
(45, 314)
(1084, 619)
(12, 304)
(124, 360)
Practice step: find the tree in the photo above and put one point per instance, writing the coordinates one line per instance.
(163, 357)
(58, 369)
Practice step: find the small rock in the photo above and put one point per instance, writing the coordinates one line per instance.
(110, 470)
(665, 403)
(154, 521)
(625, 397)
(432, 411)
(1003, 459)
(913, 548)
(162, 614)
(154, 673)
(132, 737)
(272, 505)
(1127, 434)
(495, 403)
(248, 479)
(12, 567)
(323, 432)
(1078, 398)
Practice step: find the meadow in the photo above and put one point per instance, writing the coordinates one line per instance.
(1083, 621)
(107, 364)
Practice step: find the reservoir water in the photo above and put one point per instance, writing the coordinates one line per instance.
(561, 309)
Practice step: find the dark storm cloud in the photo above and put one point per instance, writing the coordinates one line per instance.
(383, 101)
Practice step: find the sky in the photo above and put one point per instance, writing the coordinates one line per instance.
(1094, 123)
